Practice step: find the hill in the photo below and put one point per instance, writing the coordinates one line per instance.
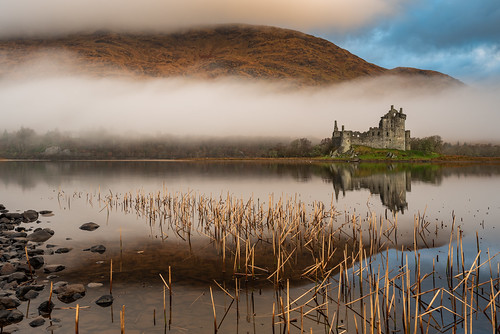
(227, 50)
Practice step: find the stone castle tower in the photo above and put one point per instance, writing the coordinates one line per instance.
(390, 133)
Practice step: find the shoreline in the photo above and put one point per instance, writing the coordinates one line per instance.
(443, 159)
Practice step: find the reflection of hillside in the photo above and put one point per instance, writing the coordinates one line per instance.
(28, 174)
(391, 186)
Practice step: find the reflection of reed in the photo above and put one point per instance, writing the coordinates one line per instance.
(356, 283)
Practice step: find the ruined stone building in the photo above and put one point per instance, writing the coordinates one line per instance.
(390, 133)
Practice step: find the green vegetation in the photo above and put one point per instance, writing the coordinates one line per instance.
(368, 153)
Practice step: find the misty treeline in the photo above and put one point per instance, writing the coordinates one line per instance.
(26, 143)
(436, 144)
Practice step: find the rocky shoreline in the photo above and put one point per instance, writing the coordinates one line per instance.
(22, 263)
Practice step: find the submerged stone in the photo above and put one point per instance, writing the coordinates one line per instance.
(98, 249)
(63, 250)
(89, 226)
(38, 321)
(45, 308)
(105, 301)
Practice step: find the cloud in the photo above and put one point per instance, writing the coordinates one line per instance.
(235, 108)
(34, 17)
(459, 37)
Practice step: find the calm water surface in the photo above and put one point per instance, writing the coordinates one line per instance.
(401, 192)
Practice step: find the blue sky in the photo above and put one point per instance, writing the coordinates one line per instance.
(457, 37)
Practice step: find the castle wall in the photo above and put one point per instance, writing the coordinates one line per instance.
(389, 134)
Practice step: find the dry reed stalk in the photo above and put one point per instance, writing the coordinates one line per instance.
(164, 307)
(170, 294)
(50, 293)
(288, 305)
(77, 315)
(272, 318)
(122, 319)
(28, 260)
(111, 277)
(213, 308)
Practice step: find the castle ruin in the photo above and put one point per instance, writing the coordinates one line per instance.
(390, 133)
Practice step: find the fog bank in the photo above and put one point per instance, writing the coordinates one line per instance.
(242, 108)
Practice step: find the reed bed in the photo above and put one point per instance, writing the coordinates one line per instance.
(362, 280)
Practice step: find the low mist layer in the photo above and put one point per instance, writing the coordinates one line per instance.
(242, 108)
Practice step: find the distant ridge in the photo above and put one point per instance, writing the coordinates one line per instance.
(243, 51)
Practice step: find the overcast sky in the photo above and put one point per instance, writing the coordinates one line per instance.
(457, 37)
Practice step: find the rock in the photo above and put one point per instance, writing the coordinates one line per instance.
(8, 303)
(18, 235)
(89, 226)
(98, 249)
(71, 293)
(18, 277)
(24, 268)
(2, 207)
(63, 250)
(53, 268)
(36, 251)
(45, 212)
(105, 301)
(38, 321)
(13, 215)
(9, 317)
(94, 285)
(22, 291)
(59, 287)
(7, 269)
(45, 308)
(40, 235)
(32, 294)
(37, 262)
(30, 216)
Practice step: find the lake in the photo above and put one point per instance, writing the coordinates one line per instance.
(265, 242)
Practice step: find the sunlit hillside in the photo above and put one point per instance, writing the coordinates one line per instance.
(230, 50)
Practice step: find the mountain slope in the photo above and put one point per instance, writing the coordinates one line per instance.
(229, 50)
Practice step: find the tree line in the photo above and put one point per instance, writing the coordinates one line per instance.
(26, 143)
(435, 144)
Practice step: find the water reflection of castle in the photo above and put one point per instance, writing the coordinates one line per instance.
(391, 187)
